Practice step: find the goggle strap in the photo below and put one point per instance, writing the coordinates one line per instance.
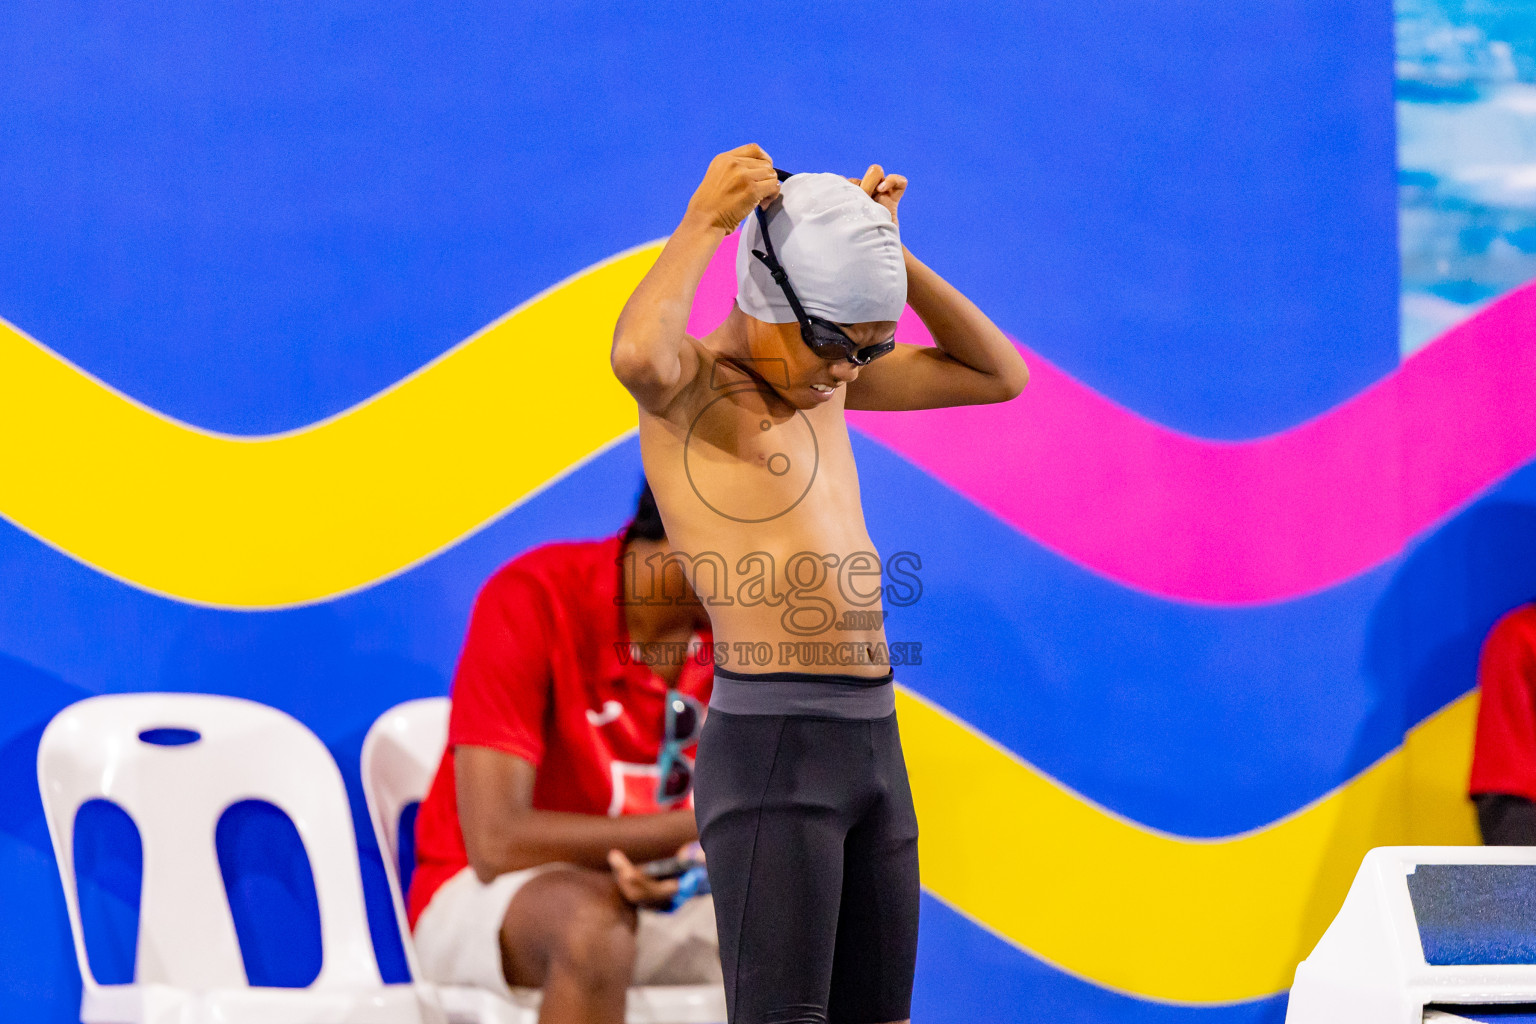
(781, 276)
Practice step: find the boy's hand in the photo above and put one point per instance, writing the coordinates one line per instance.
(636, 886)
(885, 189)
(735, 182)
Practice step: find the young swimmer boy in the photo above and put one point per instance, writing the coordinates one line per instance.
(803, 806)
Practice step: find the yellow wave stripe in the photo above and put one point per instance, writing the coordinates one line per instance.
(1156, 915)
(302, 516)
(309, 514)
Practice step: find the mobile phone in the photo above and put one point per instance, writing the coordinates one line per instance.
(667, 867)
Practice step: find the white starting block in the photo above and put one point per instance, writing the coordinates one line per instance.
(1427, 934)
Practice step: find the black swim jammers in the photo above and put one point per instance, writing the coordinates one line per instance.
(807, 822)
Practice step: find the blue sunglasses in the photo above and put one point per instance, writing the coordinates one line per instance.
(684, 717)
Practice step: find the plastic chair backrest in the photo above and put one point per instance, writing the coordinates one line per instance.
(400, 756)
(175, 795)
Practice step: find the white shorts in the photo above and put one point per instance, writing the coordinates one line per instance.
(458, 935)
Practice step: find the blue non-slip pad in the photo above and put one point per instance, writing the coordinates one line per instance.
(1475, 913)
(1522, 1013)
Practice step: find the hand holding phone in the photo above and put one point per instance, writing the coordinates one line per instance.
(668, 867)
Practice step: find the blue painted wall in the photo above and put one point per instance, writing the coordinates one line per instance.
(253, 218)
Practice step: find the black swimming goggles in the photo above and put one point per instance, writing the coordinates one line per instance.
(827, 339)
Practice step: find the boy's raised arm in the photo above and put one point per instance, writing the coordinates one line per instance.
(974, 363)
(651, 355)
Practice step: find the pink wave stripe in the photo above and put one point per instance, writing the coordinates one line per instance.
(1223, 522)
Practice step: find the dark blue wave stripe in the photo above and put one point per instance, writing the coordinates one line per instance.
(253, 217)
(1195, 720)
(965, 973)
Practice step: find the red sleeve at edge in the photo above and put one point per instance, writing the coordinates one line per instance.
(1504, 755)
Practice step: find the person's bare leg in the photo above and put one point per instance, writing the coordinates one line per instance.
(572, 934)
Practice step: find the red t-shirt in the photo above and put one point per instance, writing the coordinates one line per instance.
(547, 675)
(1504, 755)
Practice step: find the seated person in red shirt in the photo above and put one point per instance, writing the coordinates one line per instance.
(547, 794)
(1504, 755)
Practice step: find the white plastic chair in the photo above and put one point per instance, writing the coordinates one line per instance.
(189, 968)
(400, 756)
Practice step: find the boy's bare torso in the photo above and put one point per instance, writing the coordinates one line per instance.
(762, 502)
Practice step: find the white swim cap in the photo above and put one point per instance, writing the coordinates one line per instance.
(840, 248)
